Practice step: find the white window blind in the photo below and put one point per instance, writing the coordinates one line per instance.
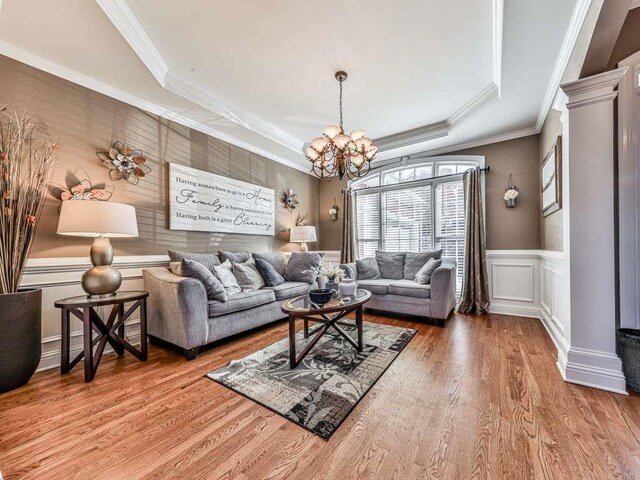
(425, 215)
(407, 220)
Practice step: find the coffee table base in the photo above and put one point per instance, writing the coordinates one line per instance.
(328, 322)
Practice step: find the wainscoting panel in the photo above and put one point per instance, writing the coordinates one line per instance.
(514, 282)
(60, 278)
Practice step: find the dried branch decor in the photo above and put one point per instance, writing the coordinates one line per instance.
(26, 165)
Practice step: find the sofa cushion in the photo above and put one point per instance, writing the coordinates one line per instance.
(289, 289)
(277, 260)
(303, 267)
(391, 264)
(234, 257)
(415, 261)
(378, 286)
(423, 276)
(224, 273)
(213, 286)
(409, 288)
(368, 269)
(271, 277)
(209, 260)
(241, 301)
(248, 276)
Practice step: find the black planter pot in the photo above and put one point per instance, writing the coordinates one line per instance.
(20, 342)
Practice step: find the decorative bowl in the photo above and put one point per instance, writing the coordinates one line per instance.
(320, 296)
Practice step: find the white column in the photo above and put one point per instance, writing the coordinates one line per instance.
(591, 359)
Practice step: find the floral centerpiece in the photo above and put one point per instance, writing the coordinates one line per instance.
(333, 273)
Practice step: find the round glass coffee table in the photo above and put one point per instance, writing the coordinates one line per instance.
(329, 315)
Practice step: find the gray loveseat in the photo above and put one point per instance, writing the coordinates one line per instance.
(405, 296)
(179, 312)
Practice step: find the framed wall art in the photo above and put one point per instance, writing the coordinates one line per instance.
(551, 179)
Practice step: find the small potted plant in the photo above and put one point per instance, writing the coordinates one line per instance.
(334, 275)
(26, 166)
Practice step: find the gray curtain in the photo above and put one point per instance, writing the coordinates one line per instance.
(348, 239)
(475, 285)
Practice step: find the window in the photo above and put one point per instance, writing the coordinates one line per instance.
(412, 210)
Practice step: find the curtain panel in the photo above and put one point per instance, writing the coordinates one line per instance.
(475, 284)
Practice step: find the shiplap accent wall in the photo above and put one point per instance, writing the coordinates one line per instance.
(60, 278)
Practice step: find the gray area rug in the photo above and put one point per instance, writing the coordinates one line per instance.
(321, 392)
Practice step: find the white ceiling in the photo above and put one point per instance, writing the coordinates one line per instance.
(423, 74)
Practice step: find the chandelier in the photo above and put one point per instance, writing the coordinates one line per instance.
(338, 154)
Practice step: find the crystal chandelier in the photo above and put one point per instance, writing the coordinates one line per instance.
(338, 154)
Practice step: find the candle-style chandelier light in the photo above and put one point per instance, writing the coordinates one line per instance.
(338, 154)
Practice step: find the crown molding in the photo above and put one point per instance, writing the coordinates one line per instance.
(593, 89)
(78, 78)
(443, 128)
(243, 118)
(569, 42)
(503, 137)
(498, 21)
(127, 24)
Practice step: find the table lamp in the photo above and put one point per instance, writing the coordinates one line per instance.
(101, 221)
(302, 234)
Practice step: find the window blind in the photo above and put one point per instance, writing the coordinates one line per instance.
(368, 223)
(407, 220)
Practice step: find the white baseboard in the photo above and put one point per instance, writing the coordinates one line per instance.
(601, 370)
(514, 310)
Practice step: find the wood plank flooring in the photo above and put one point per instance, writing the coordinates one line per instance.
(481, 398)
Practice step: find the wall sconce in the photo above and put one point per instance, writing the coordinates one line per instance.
(510, 194)
(333, 211)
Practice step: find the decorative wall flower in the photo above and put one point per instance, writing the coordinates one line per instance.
(124, 162)
(85, 191)
(333, 211)
(290, 200)
(302, 220)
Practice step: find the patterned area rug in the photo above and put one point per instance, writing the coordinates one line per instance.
(321, 392)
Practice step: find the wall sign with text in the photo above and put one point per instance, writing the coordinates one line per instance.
(207, 202)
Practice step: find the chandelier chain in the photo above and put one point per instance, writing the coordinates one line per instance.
(340, 103)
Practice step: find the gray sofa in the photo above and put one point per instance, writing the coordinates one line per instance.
(179, 312)
(405, 296)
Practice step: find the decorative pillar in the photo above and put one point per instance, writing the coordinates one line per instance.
(591, 358)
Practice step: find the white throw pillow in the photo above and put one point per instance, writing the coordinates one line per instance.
(224, 273)
(248, 276)
(423, 277)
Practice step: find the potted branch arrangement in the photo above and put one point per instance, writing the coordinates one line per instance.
(26, 165)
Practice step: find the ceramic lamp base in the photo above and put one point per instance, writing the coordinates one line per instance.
(102, 280)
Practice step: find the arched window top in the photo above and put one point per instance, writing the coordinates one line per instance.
(416, 169)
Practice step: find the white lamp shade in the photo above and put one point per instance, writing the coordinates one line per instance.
(91, 218)
(303, 233)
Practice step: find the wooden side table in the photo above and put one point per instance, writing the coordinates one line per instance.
(110, 331)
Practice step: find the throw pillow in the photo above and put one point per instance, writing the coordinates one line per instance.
(423, 277)
(248, 276)
(215, 289)
(234, 257)
(415, 261)
(368, 269)
(270, 275)
(303, 266)
(176, 268)
(391, 265)
(224, 273)
(278, 260)
(209, 260)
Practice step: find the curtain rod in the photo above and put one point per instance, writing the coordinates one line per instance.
(482, 170)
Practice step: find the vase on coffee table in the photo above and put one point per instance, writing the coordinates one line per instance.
(331, 285)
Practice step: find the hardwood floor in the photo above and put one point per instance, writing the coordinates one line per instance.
(481, 398)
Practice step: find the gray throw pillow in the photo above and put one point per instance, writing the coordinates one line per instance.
(209, 260)
(234, 257)
(303, 267)
(415, 261)
(271, 277)
(391, 265)
(248, 276)
(277, 260)
(368, 269)
(423, 277)
(193, 269)
(224, 273)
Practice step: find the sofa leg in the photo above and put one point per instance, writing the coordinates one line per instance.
(440, 322)
(156, 342)
(190, 353)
